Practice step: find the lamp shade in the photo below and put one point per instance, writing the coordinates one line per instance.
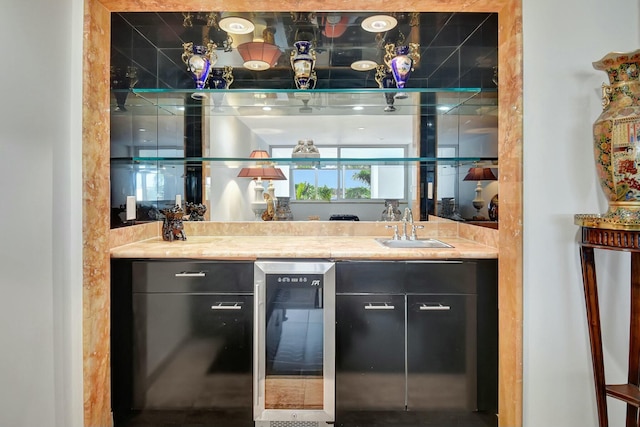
(263, 170)
(268, 173)
(480, 174)
(274, 174)
(259, 56)
(259, 154)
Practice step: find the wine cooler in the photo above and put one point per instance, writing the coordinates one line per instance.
(294, 343)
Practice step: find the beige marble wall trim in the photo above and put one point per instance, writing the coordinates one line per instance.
(431, 229)
(135, 233)
(96, 197)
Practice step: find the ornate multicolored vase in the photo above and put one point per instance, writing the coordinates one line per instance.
(616, 135)
(199, 60)
(303, 62)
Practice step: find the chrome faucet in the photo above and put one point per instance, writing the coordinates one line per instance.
(395, 231)
(407, 217)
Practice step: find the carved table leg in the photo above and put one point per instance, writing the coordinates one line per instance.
(595, 334)
(634, 336)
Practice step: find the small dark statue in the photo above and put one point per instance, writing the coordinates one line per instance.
(172, 227)
(195, 211)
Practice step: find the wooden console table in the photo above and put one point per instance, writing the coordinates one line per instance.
(614, 240)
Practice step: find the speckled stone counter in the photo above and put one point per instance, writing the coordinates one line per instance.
(248, 241)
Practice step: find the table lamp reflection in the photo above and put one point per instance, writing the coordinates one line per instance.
(264, 170)
(479, 174)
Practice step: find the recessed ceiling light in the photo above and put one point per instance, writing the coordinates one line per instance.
(266, 108)
(236, 25)
(444, 108)
(358, 107)
(379, 23)
(364, 65)
(256, 65)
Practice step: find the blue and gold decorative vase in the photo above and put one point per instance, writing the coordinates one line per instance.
(221, 77)
(199, 60)
(303, 62)
(401, 60)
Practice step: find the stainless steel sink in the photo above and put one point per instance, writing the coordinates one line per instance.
(420, 243)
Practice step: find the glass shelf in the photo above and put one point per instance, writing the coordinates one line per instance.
(234, 162)
(311, 91)
(294, 102)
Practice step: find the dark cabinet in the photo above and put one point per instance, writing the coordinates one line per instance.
(425, 353)
(190, 327)
(441, 352)
(370, 340)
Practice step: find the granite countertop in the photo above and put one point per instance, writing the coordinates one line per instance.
(334, 247)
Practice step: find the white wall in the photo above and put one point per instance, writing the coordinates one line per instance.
(40, 181)
(40, 303)
(561, 101)
(230, 197)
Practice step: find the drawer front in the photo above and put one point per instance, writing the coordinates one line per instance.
(449, 277)
(370, 277)
(192, 276)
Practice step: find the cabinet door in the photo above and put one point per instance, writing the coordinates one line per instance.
(192, 351)
(441, 352)
(370, 346)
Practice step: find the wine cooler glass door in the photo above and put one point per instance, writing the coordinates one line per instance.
(294, 340)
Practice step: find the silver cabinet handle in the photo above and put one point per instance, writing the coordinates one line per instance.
(227, 306)
(439, 307)
(384, 306)
(191, 274)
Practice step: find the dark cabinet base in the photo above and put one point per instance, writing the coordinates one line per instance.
(402, 357)
(415, 419)
(368, 418)
(186, 418)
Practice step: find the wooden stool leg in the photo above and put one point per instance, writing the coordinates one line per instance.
(595, 334)
(634, 336)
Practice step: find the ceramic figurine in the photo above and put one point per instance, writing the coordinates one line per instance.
(195, 211)
(172, 226)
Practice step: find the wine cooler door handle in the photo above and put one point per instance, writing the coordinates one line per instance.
(382, 306)
(191, 274)
(227, 306)
(434, 307)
